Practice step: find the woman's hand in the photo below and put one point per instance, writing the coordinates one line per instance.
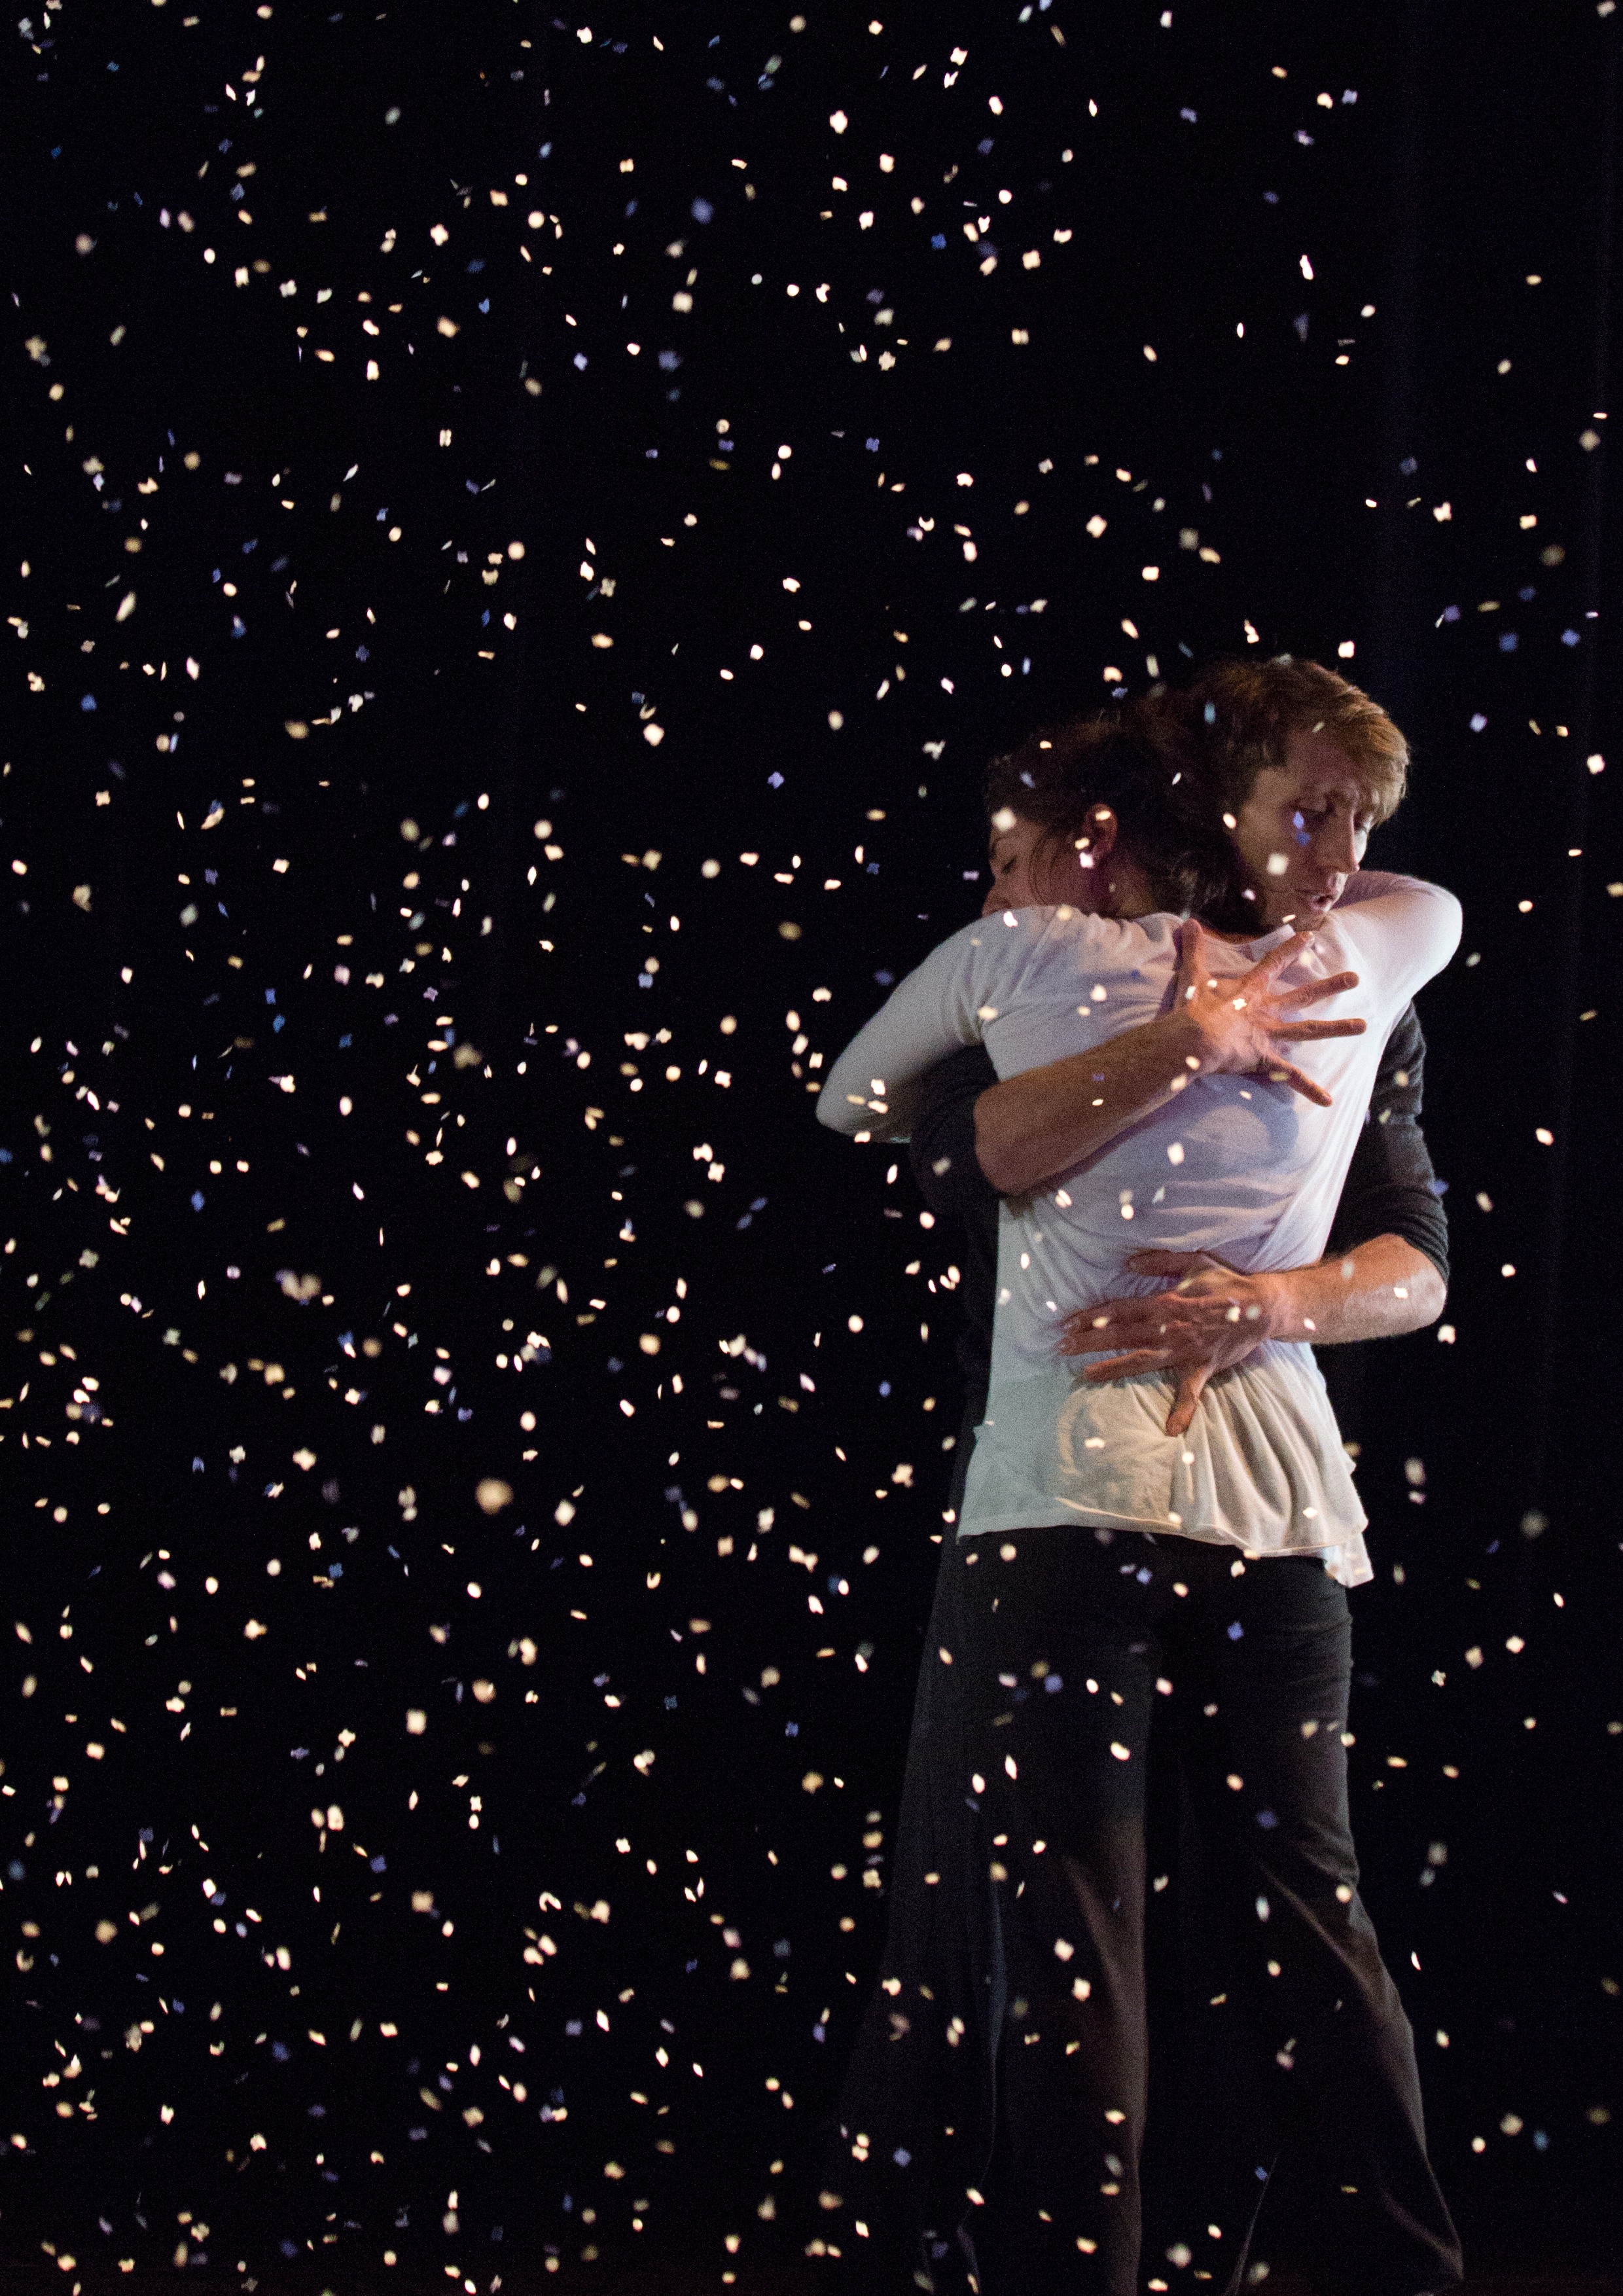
(1236, 1027)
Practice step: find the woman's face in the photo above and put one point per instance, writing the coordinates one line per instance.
(1030, 872)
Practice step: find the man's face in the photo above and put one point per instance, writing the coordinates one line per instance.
(1026, 873)
(1302, 831)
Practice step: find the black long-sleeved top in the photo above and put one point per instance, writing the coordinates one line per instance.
(1388, 1191)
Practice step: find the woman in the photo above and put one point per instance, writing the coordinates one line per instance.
(1215, 1553)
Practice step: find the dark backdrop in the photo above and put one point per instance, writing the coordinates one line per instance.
(430, 1833)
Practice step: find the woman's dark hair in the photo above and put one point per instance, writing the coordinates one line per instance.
(1143, 762)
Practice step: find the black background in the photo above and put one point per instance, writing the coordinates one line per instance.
(1474, 154)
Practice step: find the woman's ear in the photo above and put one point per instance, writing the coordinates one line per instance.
(1098, 833)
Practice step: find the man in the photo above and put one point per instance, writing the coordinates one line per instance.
(975, 1140)
(1299, 833)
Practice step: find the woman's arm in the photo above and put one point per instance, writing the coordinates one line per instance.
(934, 1012)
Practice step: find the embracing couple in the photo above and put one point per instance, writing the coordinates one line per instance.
(1152, 1063)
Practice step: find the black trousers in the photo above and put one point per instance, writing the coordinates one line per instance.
(1076, 1642)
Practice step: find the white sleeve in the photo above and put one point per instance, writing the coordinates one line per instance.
(1400, 930)
(934, 1012)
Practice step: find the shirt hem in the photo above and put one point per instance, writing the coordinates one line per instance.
(1210, 1536)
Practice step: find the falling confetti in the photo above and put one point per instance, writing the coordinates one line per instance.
(508, 608)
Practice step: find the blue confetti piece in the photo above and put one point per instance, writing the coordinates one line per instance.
(198, 1200)
(1235, 1631)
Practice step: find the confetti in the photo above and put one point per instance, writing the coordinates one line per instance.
(484, 1450)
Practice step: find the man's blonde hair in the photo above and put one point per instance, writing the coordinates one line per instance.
(1243, 713)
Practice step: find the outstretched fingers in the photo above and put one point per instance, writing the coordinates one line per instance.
(1267, 967)
(1305, 1031)
(1282, 1072)
(1190, 958)
(1311, 991)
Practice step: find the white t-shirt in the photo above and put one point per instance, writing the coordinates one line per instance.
(1240, 1168)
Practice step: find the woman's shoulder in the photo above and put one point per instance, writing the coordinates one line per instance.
(1107, 942)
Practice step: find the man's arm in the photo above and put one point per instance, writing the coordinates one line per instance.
(1032, 1128)
(1391, 1188)
(941, 1146)
(1385, 1272)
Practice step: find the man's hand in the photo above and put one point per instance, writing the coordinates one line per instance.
(1032, 1127)
(1237, 1027)
(1214, 1316)
(1211, 1320)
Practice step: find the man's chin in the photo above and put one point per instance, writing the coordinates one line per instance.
(1298, 912)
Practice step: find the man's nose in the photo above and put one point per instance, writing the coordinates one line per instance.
(1335, 847)
(993, 901)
